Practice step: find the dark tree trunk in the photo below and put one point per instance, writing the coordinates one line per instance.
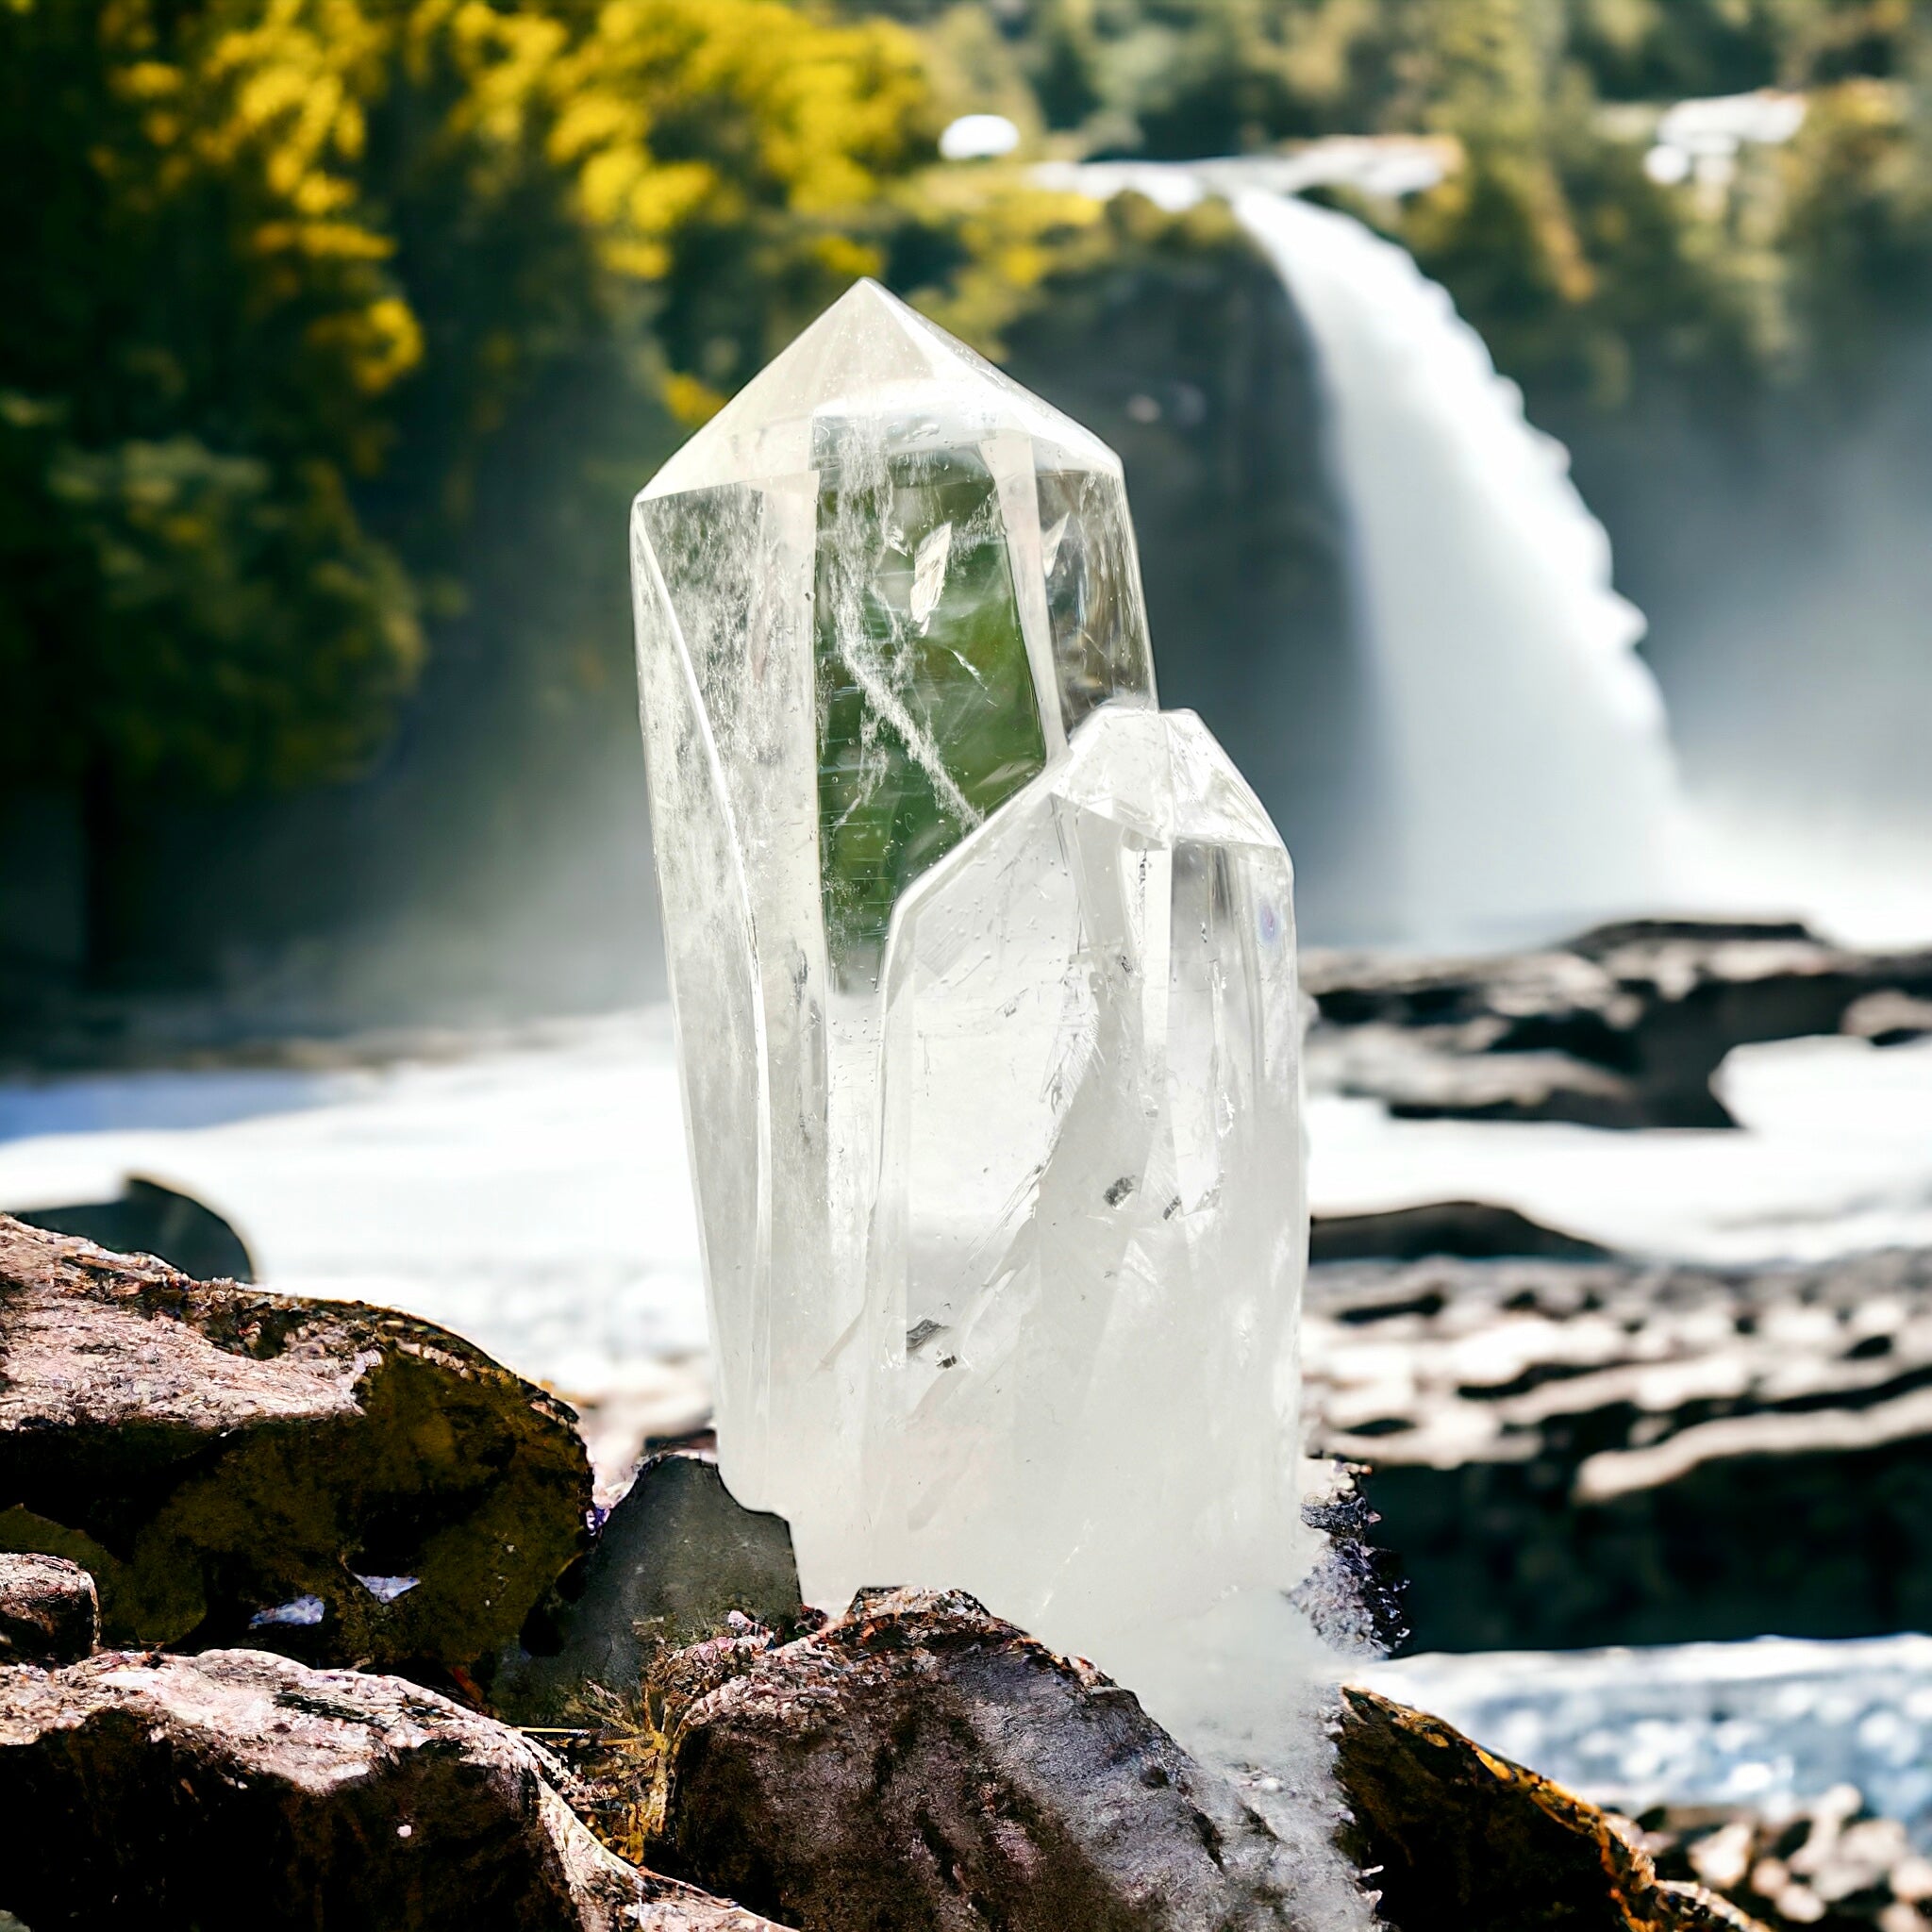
(111, 827)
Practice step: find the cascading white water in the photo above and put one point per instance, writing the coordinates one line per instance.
(1527, 741)
(1530, 786)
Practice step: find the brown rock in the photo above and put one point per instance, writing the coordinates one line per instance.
(920, 1763)
(1829, 1865)
(1455, 1840)
(48, 1611)
(1472, 1230)
(241, 1791)
(150, 1218)
(372, 1486)
(1889, 1019)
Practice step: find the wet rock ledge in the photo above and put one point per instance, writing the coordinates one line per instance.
(1574, 1454)
(1622, 1026)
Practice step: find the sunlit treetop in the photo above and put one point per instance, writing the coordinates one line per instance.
(297, 266)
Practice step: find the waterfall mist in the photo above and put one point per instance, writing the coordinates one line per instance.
(1514, 770)
(1790, 584)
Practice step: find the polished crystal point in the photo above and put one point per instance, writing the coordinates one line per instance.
(1088, 1227)
(983, 969)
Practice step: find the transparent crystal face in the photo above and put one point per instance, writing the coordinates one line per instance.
(983, 970)
(929, 718)
(1090, 1223)
(1092, 590)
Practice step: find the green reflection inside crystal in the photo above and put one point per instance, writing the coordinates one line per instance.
(927, 715)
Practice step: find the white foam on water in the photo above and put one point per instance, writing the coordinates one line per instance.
(537, 1201)
(1834, 1156)
(1766, 1723)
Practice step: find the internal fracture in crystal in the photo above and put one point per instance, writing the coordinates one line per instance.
(983, 969)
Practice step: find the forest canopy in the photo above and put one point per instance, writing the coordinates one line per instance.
(279, 274)
(334, 330)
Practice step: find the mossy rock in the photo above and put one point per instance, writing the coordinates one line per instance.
(340, 1482)
(1455, 1838)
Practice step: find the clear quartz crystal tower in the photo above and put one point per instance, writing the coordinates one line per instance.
(984, 976)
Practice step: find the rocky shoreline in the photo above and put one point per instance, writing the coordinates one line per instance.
(1570, 1453)
(224, 1762)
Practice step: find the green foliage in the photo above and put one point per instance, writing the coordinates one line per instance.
(1186, 77)
(1569, 260)
(240, 622)
(294, 276)
(1676, 49)
(191, 372)
(927, 714)
(1592, 284)
(1856, 193)
(1180, 77)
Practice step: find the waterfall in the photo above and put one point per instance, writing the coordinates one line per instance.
(1534, 782)
(1529, 780)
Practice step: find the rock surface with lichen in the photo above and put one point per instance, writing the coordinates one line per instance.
(677, 1560)
(341, 1482)
(1454, 1839)
(920, 1762)
(49, 1611)
(242, 1792)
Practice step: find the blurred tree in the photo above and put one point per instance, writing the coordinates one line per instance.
(1682, 49)
(1856, 202)
(280, 279)
(1188, 77)
(1582, 275)
(1587, 278)
(196, 336)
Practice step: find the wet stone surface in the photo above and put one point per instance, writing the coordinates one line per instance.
(341, 1482)
(1572, 1454)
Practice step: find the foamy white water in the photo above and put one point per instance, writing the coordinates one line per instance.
(1766, 1723)
(537, 1201)
(1525, 738)
(1836, 1157)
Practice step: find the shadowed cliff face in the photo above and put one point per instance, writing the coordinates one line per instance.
(1190, 359)
(1779, 551)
